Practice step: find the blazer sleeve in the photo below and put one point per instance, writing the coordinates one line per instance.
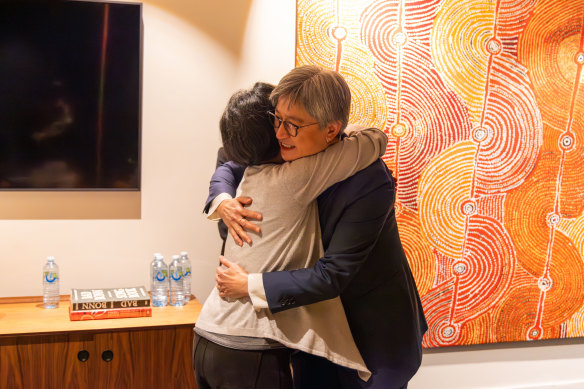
(226, 178)
(353, 238)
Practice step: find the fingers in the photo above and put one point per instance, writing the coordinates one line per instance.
(219, 283)
(221, 287)
(239, 228)
(225, 262)
(244, 212)
(244, 200)
(239, 235)
(234, 209)
(241, 225)
(249, 214)
(236, 218)
(236, 237)
(222, 291)
(219, 272)
(246, 224)
(236, 225)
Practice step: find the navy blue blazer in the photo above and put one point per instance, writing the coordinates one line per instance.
(364, 263)
(221, 159)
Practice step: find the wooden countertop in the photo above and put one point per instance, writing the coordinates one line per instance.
(28, 317)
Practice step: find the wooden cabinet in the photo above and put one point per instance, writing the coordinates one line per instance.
(42, 349)
(48, 361)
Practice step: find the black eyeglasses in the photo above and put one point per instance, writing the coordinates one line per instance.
(291, 128)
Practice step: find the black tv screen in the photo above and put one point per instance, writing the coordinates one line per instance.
(70, 95)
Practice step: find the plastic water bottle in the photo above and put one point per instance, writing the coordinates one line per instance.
(51, 284)
(177, 296)
(186, 266)
(158, 281)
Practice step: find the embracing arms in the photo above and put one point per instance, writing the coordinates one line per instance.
(349, 233)
(363, 215)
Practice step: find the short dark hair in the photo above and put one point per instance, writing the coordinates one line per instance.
(247, 131)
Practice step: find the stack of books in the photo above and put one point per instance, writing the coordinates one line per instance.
(112, 303)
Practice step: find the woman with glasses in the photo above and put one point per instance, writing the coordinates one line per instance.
(237, 346)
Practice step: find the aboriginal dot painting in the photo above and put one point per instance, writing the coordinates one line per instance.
(483, 103)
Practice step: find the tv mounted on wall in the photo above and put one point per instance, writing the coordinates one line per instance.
(70, 95)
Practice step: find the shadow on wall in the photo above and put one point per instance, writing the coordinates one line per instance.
(222, 20)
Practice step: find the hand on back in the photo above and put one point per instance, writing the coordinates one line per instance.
(231, 279)
(237, 218)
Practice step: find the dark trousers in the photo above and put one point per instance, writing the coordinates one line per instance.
(312, 372)
(218, 367)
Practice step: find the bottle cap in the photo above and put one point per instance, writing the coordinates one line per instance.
(184, 254)
(50, 258)
(158, 256)
(175, 257)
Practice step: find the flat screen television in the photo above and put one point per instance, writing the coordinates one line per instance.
(70, 95)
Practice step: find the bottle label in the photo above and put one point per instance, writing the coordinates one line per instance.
(176, 276)
(187, 271)
(161, 275)
(50, 276)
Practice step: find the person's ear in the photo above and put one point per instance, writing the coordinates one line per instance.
(332, 130)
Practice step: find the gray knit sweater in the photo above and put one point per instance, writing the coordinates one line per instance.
(291, 239)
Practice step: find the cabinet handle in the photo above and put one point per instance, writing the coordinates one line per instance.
(107, 355)
(83, 355)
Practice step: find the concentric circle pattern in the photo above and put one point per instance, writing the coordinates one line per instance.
(547, 48)
(417, 250)
(368, 100)
(576, 324)
(491, 265)
(417, 95)
(515, 126)
(483, 104)
(440, 198)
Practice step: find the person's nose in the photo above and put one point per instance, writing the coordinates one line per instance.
(281, 133)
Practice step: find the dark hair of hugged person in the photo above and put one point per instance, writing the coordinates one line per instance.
(247, 131)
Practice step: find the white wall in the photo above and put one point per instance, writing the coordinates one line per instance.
(196, 53)
(541, 365)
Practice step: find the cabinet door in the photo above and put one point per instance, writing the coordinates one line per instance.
(49, 361)
(10, 369)
(113, 366)
(133, 359)
(145, 358)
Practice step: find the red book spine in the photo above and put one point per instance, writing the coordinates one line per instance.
(120, 313)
